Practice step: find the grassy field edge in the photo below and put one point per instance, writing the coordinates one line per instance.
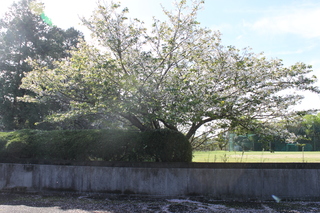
(255, 157)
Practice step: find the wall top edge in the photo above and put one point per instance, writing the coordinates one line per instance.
(174, 164)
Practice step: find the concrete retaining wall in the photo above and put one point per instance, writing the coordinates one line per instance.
(221, 181)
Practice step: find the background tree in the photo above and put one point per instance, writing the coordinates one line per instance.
(23, 35)
(312, 129)
(307, 129)
(175, 75)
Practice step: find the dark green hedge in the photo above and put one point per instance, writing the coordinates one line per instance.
(90, 145)
(166, 146)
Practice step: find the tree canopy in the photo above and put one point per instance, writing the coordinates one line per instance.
(23, 35)
(307, 130)
(175, 74)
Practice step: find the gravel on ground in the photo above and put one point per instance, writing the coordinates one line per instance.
(102, 203)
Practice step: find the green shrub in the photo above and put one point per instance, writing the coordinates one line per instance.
(15, 144)
(165, 145)
(86, 145)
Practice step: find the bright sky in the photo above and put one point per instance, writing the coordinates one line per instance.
(286, 29)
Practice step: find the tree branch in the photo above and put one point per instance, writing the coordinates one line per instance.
(169, 126)
(135, 122)
(195, 127)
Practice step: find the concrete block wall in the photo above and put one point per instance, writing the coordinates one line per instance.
(221, 181)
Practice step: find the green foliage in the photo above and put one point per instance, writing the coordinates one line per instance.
(307, 130)
(14, 144)
(175, 75)
(106, 145)
(24, 35)
(167, 146)
(116, 145)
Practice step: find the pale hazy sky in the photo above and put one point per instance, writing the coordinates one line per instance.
(286, 29)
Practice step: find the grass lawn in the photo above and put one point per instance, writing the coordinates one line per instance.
(256, 157)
